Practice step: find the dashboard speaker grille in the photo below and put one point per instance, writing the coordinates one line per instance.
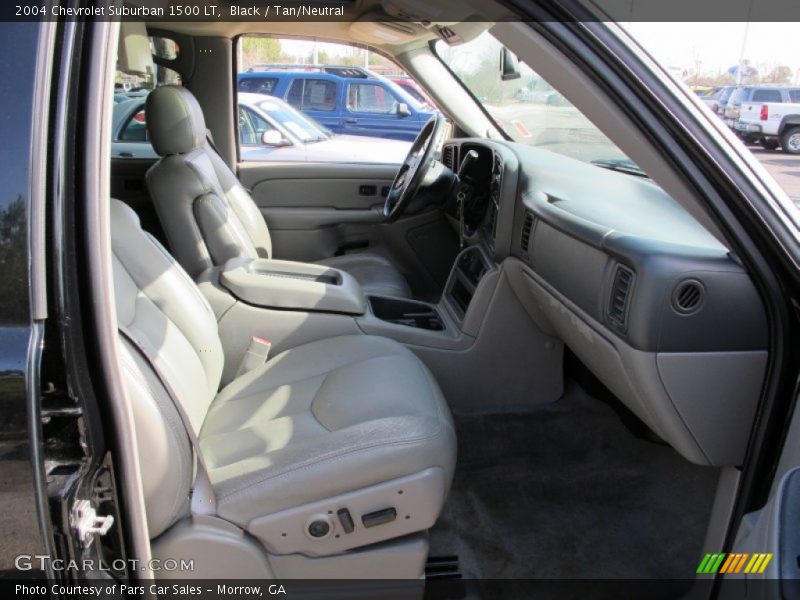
(527, 226)
(620, 296)
(688, 296)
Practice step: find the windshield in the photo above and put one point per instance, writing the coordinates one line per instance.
(528, 109)
(300, 126)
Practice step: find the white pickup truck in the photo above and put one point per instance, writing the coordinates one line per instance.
(771, 116)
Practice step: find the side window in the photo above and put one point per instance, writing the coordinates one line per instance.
(794, 95)
(370, 98)
(135, 129)
(767, 96)
(319, 94)
(295, 95)
(257, 85)
(164, 47)
(312, 94)
(167, 49)
(303, 88)
(134, 88)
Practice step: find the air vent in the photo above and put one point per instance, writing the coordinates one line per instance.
(688, 296)
(448, 153)
(527, 226)
(620, 296)
(497, 170)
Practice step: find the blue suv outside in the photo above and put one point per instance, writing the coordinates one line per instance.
(347, 100)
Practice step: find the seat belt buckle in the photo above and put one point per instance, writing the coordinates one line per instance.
(256, 355)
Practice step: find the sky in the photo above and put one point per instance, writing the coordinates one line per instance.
(717, 46)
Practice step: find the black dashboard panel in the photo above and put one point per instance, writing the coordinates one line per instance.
(652, 303)
(631, 257)
(617, 246)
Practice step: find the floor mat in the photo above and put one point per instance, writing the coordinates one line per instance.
(566, 491)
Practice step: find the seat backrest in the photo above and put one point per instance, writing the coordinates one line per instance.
(159, 304)
(207, 215)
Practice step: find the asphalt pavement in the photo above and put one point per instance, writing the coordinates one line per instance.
(785, 168)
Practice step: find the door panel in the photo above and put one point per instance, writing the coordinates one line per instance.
(307, 185)
(318, 210)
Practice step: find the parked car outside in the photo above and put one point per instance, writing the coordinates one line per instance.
(269, 130)
(752, 93)
(348, 100)
(710, 96)
(770, 116)
(724, 96)
(414, 90)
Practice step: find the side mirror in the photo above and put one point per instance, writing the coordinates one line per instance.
(509, 67)
(273, 137)
(403, 110)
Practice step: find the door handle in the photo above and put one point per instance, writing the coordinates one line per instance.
(351, 120)
(125, 154)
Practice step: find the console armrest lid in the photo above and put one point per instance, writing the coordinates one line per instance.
(293, 285)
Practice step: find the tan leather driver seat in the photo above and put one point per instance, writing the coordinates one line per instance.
(207, 215)
(353, 423)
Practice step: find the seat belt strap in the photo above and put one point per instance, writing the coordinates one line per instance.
(210, 141)
(203, 498)
(256, 355)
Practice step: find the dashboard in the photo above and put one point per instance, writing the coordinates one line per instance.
(654, 305)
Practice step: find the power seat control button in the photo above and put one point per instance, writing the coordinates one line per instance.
(379, 517)
(319, 528)
(346, 520)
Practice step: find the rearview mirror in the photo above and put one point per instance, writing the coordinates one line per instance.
(273, 137)
(403, 110)
(509, 67)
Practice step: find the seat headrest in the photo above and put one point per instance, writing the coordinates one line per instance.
(175, 120)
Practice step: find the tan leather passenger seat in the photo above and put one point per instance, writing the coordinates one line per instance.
(353, 423)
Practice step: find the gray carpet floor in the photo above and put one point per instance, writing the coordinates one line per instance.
(567, 491)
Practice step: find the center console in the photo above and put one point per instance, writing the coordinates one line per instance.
(469, 269)
(408, 313)
(449, 324)
(293, 286)
(292, 303)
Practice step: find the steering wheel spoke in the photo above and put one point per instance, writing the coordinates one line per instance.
(415, 167)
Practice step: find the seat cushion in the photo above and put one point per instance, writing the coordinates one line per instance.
(376, 274)
(323, 419)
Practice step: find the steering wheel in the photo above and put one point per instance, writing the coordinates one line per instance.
(415, 167)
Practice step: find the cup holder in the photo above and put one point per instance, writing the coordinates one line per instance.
(406, 312)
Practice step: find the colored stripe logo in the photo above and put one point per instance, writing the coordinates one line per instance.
(742, 562)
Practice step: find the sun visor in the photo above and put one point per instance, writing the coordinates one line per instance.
(133, 51)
